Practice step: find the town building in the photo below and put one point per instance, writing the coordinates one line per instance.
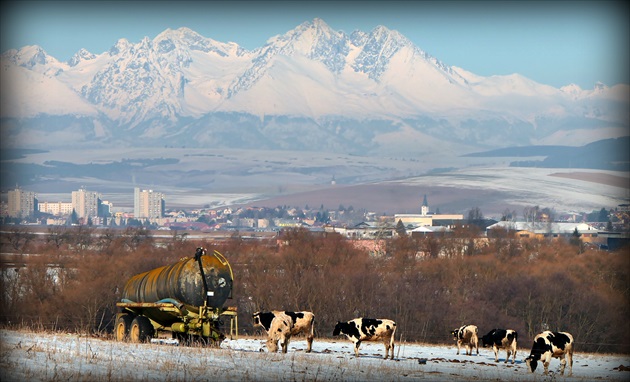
(542, 230)
(20, 203)
(148, 204)
(85, 203)
(428, 219)
(55, 208)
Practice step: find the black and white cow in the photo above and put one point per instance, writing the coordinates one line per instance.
(279, 331)
(549, 345)
(466, 335)
(368, 329)
(501, 339)
(302, 322)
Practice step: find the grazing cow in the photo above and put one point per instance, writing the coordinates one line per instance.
(302, 322)
(466, 335)
(549, 345)
(499, 339)
(279, 330)
(368, 329)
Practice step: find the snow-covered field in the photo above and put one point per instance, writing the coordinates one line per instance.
(28, 356)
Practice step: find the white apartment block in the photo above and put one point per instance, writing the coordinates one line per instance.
(21, 203)
(148, 204)
(55, 208)
(85, 203)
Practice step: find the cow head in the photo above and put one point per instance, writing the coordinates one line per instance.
(337, 330)
(256, 318)
(532, 363)
(272, 345)
(455, 333)
(486, 340)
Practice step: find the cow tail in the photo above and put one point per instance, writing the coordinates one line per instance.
(391, 340)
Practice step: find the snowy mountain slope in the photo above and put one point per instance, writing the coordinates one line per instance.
(312, 87)
(45, 94)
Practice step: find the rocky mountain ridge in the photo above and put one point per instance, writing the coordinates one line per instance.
(312, 88)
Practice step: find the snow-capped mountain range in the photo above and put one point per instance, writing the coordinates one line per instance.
(312, 88)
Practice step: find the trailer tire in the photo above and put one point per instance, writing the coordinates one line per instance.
(123, 324)
(141, 330)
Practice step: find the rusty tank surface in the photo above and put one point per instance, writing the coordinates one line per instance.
(186, 298)
(192, 281)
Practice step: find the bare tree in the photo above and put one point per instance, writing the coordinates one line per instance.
(508, 215)
(19, 237)
(57, 235)
(531, 213)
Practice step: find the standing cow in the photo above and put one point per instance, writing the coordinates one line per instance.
(466, 335)
(302, 322)
(549, 345)
(501, 339)
(368, 329)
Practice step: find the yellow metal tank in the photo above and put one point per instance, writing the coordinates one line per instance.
(191, 281)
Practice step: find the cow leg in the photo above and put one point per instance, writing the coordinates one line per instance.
(546, 365)
(496, 353)
(356, 348)
(570, 359)
(389, 345)
(507, 355)
(309, 343)
(563, 364)
(513, 355)
(285, 344)
(458, 345)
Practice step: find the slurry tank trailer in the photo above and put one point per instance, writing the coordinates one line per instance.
(186, 298)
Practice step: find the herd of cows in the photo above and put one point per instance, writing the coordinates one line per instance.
(281, 325)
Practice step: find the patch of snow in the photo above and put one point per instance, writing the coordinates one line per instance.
(45, 356)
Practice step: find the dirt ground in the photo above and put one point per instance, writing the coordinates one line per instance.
(391, 198)
(607, 179)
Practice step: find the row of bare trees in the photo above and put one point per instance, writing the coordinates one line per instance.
(527, 285)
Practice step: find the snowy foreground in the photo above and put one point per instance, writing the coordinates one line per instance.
(27, 356)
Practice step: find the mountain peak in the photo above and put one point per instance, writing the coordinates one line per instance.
(81, 55)
(179, 33)
(30, 56)
(121, 45)
(313, 32)
(316, 23)
(187, 39)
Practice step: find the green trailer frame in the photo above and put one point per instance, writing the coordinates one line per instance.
(141, 321)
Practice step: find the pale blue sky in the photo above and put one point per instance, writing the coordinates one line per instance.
(551, 42)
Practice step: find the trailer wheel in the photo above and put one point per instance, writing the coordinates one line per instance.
(141, 329)
(123, 323)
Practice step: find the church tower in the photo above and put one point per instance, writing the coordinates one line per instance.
(425, 206)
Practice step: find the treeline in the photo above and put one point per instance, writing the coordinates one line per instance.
(527, 285)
